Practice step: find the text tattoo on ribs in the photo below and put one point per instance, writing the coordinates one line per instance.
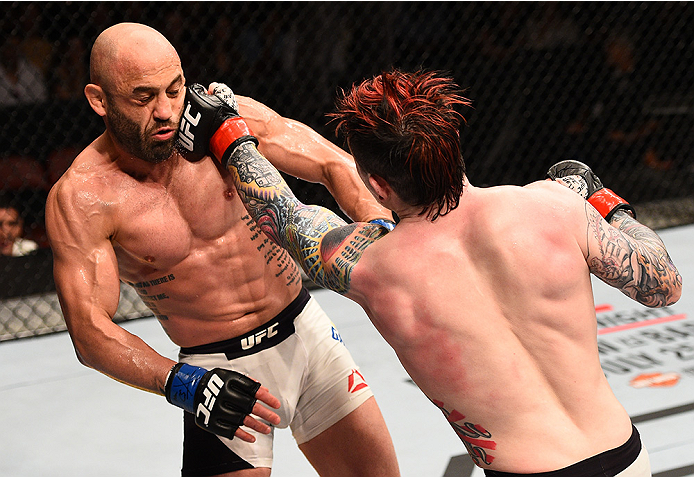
(273, 253)
(477, 439)
(150, 299)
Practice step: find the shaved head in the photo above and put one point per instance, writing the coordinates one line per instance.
(129, 49)
(137, 86)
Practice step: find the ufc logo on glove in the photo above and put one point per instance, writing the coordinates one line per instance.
(186, 136)
(211, 391)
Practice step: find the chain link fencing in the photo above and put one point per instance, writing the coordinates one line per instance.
(606, 83)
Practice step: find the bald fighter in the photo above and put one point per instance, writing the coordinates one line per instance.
(131, 208)
(484, 293)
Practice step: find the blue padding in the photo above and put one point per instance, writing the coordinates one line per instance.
(384, 223)
(184, 384)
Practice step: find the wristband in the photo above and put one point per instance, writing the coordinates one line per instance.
(230, 133)
(390, 225)
(607, 203)
(181, 384)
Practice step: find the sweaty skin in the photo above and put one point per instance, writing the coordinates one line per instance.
(489, 308)
(175, 230)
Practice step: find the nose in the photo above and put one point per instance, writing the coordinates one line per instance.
(163, 109)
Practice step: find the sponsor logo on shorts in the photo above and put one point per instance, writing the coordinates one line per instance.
(655, 380)
(336, 335)
(250, 341)
(356, 382)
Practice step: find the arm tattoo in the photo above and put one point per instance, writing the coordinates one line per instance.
(632, 258)
(343, 249)
(313, 235)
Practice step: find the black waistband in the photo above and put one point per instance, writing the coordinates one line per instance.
(263, 337)
(607, 464)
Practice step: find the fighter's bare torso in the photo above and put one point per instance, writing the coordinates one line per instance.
(184, 241)
(510, 365)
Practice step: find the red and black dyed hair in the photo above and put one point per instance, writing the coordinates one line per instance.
(404, 127)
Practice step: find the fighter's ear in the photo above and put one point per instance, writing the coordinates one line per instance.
(380, 187)
(96, 97)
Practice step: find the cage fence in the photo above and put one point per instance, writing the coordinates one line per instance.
(606, 83)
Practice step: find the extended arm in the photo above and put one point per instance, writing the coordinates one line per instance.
(298, 150)
(619, 250)
(325, 247)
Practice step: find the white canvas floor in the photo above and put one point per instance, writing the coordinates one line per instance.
(58, 418)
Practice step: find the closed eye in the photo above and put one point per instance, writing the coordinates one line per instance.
(144, 98)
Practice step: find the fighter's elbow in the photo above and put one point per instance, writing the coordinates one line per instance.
(658, 298)
(83, 352)
(675, 294)
(82, 358)
(673, 286)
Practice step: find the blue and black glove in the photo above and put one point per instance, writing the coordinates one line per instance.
(220, 399)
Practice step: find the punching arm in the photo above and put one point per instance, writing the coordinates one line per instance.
(324, 245)
(299, 151)
(211, 124)
(320, 241)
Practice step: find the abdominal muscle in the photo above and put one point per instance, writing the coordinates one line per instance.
(208, 290)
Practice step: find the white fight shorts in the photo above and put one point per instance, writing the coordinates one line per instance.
(300, 357)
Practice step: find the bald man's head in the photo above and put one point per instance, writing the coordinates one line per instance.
(128, 49)
(138, 88)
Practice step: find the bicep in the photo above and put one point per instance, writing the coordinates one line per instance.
(341, 249)
(87, 284)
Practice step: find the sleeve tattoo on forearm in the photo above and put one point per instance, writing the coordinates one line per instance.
(632, 258)
(297, 227)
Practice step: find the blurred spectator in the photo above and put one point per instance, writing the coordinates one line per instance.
(20, 81)
(614, 118)
(70, 69)
(12, 231)
(551, 28)
(35, 46)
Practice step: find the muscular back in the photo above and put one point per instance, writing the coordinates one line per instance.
(178, 233)
(489, 307)
(491, 311)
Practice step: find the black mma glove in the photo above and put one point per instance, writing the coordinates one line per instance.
(220, 399)
(582, 180)
(211, 125)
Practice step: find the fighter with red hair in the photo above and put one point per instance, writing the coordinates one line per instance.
(485, 294)
(399, 116)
